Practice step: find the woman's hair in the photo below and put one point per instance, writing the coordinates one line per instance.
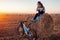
(40, 3)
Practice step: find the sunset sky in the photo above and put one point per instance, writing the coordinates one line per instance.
(28, 6)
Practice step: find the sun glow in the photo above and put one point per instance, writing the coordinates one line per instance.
(2, 16)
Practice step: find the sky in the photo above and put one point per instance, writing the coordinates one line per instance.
(28, 6)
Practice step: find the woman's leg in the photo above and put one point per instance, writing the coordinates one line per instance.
(37, 15)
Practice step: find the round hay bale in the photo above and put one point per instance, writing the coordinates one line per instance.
(44, 26)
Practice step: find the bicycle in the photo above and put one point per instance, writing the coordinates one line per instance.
(23, 35)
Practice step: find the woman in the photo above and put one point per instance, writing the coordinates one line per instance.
(40, 10)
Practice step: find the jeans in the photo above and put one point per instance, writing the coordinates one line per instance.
(37, 15)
